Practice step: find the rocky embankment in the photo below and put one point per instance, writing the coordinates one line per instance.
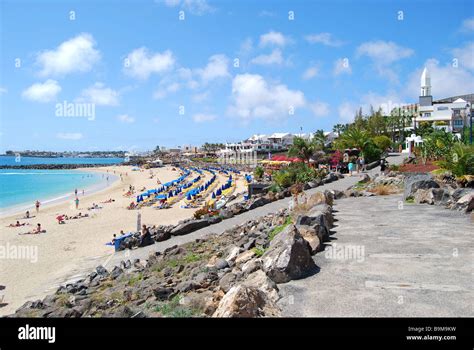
(234, 274)
(161, 233)
(417, 188)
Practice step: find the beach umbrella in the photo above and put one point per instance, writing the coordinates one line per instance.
(188, 197)
(213, 195)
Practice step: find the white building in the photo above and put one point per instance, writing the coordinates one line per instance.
(451, 114)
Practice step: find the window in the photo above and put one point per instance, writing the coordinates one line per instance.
(426, 115)
(458, 123)
(442, 108)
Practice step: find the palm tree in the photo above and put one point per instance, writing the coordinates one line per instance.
(355, 137)
(339, 128)
(320, 139)
(303, 149)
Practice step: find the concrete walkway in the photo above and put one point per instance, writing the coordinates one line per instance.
(86, 266)
(399, 261)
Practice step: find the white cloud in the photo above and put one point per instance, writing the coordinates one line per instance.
(201, 97)
(164, 91)
(74, 55)
(195, 7)
(217, 67)
(3, 90)
(319, 109)
(125, 118)
(69, 136)
(275, 57)
(42, 92)
(100, 95)
(342, 66)
(446, 80)
(468, 25)
(202, 117)
(383, 55)
(140, 63)
(273, 38)
(310, 73)
(465, 56)
(323, 38)
(347, 112)
(253, 97)
(383, 52)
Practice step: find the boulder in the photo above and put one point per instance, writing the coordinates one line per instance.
(257, 202)
(438, 196)
(288, 257)
(188, 227)
(260, 280)
(242, 301)
(161, 236)
(311, 236)
(163, 293)
(320, 218)
(416, 182)
(251, 266)
(244, 257)
(227, 281)
(465, 203)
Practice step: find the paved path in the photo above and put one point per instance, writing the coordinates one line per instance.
(417, 261)
(84, 267)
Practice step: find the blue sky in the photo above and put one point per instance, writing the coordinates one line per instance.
(154, 79)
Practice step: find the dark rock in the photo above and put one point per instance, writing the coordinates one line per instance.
(116, 272)
(102, 271)
(186, 286)
(163, 293)
(416, 182)
(190, 226)
(221, 264)
(161, 236)
(288, 257)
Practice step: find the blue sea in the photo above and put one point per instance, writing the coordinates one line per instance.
(20, 188)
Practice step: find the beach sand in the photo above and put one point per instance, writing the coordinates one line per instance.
(79, 244)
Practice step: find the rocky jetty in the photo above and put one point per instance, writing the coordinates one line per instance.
(234, 274)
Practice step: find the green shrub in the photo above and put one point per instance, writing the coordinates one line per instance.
(382, 142)
(279, 228)
(258, 172)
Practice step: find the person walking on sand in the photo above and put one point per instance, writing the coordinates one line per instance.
(77, 203)
(83, 192)
(37, 205)
(75, 192)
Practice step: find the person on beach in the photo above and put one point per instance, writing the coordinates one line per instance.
(83, 192)
(37, 205)
(145, 238)
(77, 202)
(27, 214)
(75, 192)
(17, 224)
(36, 231)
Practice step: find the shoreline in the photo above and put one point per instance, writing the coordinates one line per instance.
(19, 209)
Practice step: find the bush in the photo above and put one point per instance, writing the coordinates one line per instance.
(371, 152)
(258, 172)
(382, 142)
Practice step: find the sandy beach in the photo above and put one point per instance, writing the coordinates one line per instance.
(64, 247)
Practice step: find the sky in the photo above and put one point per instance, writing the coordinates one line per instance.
(131, 75)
